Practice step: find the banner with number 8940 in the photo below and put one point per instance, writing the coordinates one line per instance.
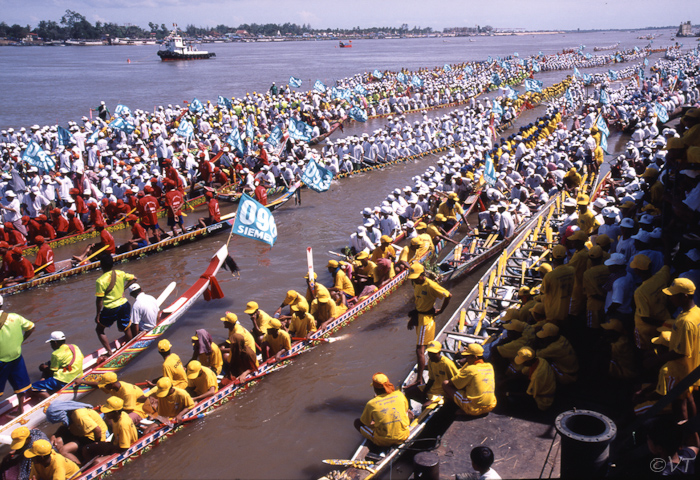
(253, 220)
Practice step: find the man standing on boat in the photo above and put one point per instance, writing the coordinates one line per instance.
(110, 303)
(425, 292)
(385, 420)
(14, 330)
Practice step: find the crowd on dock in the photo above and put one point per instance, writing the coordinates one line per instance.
(616, 302)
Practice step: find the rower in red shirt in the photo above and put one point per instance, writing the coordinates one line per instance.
(172, 174)
(80, 208)
(106, 240)
(6, 255)
(131, 200)
(220, 178)
(32, 227)
(21, 269)
(174, 202)
(44, 255)
(214, 213)
(148, 208)
(45, 228)
(123, 208)
(139, 238)
(260, 193)
(95, 217)
(4, 237)
(205, 169)
(263, 154)
(15, 237)
(157, 191)
(75, 225)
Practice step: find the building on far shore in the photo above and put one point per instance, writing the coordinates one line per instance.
(685, 30)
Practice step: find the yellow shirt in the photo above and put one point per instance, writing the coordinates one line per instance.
(669, 375)
(343, 283)
(324, 311)
(283, 341)
(214, 360)
(65, 366)
(115, 297)
(170, 405)
(561, 356)
(426, 247)
(557, 287)
(685, 339)
(302, 324)
(594, 279)
(578, 262)
(367, 270)
(263, 321)
(247, 336)
(60, 468)
(130, 394)
(477, 384)
(203, 383)
(12, 336)
(427, 293)
(587, 222)
(438, 372)
(650, 302)
(299, 300)
(381, 252)
(388, 416)
(450, 213)
(83, 422)
(173, 369)
(542, 384)
(124, 430)
(406, 255)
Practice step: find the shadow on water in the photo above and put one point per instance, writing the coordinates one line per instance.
(337, 404)
(388, 320)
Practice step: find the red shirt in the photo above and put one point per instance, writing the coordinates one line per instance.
(214, 213)
(47, 231)
(138, 232)
(171, 173)
(175, 201)
(44, 256)
(96, 217)
(106, 238)
(261, 194)
(60, 223)
(75, 225)
(111, 211)
(132, 201)
(148, 206)
(33, 229)
(4, 237)
(22, 268)
(221, 177)
(16, 238)
(80, 206)
(205, 169)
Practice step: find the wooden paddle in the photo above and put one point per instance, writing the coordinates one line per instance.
(124, 217)
(310, 265)
(94, 254)
(39, 269)
(166, 293)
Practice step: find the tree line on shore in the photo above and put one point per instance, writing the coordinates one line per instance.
(74, 25)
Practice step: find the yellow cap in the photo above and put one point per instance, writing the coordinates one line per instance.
(163, 386)
(650, 173)
(473, 349)
(603, 240)
(515, 326)
(524, 291)
(640, 262)
(291, 295)
(680, 285)
(193, 369)
(595, 252)
(582, 199)
(379, 380)
(548, 330)
(315, 276)
(113, 404)
(332, 264)
(110, 377)
(164, 346)
(524, 354)
(613, 324)
(559, 251)
(385, 239)
(251, 307)
(416, 242)
(40, 448)
(453, 196)
(230, 317)
(274, 323)
(578, 235)
(663, 339)
(544, 268)
(19, 437)
(416, 271)
(195, 338)
(434, 347)
(362, 255)
(440, 217)
(538, 308)
(420, 226)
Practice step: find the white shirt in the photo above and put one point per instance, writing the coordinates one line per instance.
(144, 312)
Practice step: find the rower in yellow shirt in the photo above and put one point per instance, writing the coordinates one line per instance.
(451, 210)
(292, 298)
(173, 402)
(127, 392)
(341, 282)
(302, 323)
(384, 250)
(557, 350)
(48, 464)
(276, 341)
(440, 368)
(260, 320)
(543, 385)
(201, 381)
(650, 301)
(557, 287)
(473, 387)
(586, 217)
(124, 433)
(172, 365)
(323, 309)
(685, 335)
(578, 262)
(206, 351)
(594, 280)
(234, 327)
(385, 420)
(408, 255)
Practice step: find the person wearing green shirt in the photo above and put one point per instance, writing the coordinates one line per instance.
(110, 302)
(66, 365)
(14, 330)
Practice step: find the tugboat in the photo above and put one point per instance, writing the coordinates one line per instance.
(345, 45)
(175, 48)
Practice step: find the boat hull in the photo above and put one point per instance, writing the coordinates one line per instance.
(167, 56)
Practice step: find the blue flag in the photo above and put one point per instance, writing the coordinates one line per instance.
(299, 130)
(602, 126)
(185, 130)
(640, 72)
(122, 111)
(540, 54)
(360, 90)
(196, 106)
(121, 124)
(516, 55)
(235, 141)
(224, 102)
(577, 74)
(253, 220)
(510, 92)
(587, 79)
(401, 77)
(416, 81)
(604, 98)
(489, 59)
(468, 70)
(64, 136)
(377, 74)
(612, 75)
(447, 67)
(588, 56)
(532, 85)
(569, 99)
(496, 109)
(535, 66)
(490, 171)
(495, 79)
(275, 137)
(320, 87)
(604, 143)
(636, 49)
(316, 177)
(249, 130)
(36, 156)
(356, 113)
(661, 112)
(295, 82)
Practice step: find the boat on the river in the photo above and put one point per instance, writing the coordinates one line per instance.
(341, 44)
(65, 268)
(335, 126)
(232, 390)
(176, 48)
(123, 352)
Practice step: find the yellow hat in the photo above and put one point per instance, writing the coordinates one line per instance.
(640, 262)
(434, 347)
(603, 240)
(473, 349)
(251, 307)
(416, 242)
(524, 291)
(193, 369)
(595, 252)
(362, 255)
(578, 235)
(110, 377)
(113, 404)
(440, 217)
(548, 330)
(332, 264)
(416, 271)
(559, 251)
(544, 268)
(274, 323)
(650, 173)
(613, 324)
(663, 339)
(163, 386)
(195, 338)
(230, 317)
(40, 448)
(291, 296)
(453, 196)
(524, 354)
(379, 380)
(510, 314)
(323, 297)
(582, 199)
(19, 437)
(680, 285)
(385, 239)
(538, 308)
(164, 346)
(515, 326)
(315, 276)
(420, 226)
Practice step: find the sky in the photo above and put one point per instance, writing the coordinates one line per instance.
(438, 14)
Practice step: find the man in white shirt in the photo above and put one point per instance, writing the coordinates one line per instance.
(145, 310)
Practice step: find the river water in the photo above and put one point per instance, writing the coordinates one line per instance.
(283, 427)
